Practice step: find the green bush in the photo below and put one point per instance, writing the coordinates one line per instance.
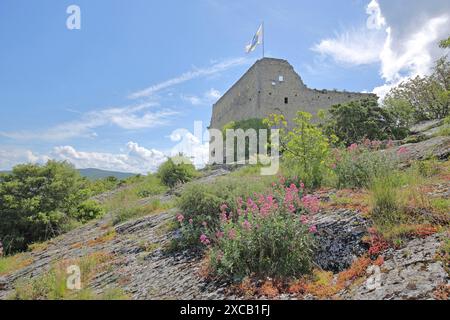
(305, 148)
(267, 236)
(386, 200)
(133, 211)
(103, 185)
(429, 96)
(175, 171)
(445, 130)
(358, 165)
(199, 203)
(38, 202)
(88, 210)
(255, 124)
(355, 121)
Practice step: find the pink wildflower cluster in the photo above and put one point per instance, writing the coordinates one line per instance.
(374, 144)
(402, 150)
(353, 147)
(204, 240)
(311, 203)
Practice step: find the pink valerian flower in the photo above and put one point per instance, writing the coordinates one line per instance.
(223, 217)
(268, 206)
(402, 150)
(302, 185)
(352, 147)
(204, 239)
(313, 229)
(304, 219)
(219, 234)
(251, 205)
(232, 234)
(191, 221)
(311, 203)
(223, 207)
(261, 199)
(367, 143)
(376, 144)
(180, 218)
(246, 225)
(291, 198)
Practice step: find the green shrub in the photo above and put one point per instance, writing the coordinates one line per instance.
(358, 165)
(52, 285)
(103, 185)
(305, 148)
(136, 211)
(88, 210)
(427, 168)
(357, 120)
(38, 202)
(255, 124)
(267, 236)
(200, 203)
(445, 130)
(387, 208)
(175, 171)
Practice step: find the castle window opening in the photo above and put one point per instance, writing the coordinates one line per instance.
(286, 100)
(280, 78)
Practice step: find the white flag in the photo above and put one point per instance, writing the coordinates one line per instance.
(257, 39)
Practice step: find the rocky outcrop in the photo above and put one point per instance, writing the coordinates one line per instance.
(339, 239)
(438, 147)
(412, 272)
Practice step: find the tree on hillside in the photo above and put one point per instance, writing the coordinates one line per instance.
(445, 43)
(39, 202)
(255, 124)
(357, 120)
(176, 170)
(428, 98)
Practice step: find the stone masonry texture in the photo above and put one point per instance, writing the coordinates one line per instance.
(272, 86)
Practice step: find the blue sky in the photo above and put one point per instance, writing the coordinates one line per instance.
(111, 94)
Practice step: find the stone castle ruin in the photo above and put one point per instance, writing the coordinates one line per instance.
(272, 86)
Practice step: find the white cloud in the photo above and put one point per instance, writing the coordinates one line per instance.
(354, 47)
(208, 98)
(401, 37)
(376, 19)
(213, 94)
(130, 117)
(9, 157)
(194, 146)
(136, 159)
(192, 99)
(193, 74)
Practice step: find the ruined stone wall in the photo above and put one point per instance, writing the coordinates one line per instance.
(272, 86)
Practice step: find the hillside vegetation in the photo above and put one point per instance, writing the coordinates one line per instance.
(346, 200)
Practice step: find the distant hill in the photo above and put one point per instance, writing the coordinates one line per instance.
(96, 174)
